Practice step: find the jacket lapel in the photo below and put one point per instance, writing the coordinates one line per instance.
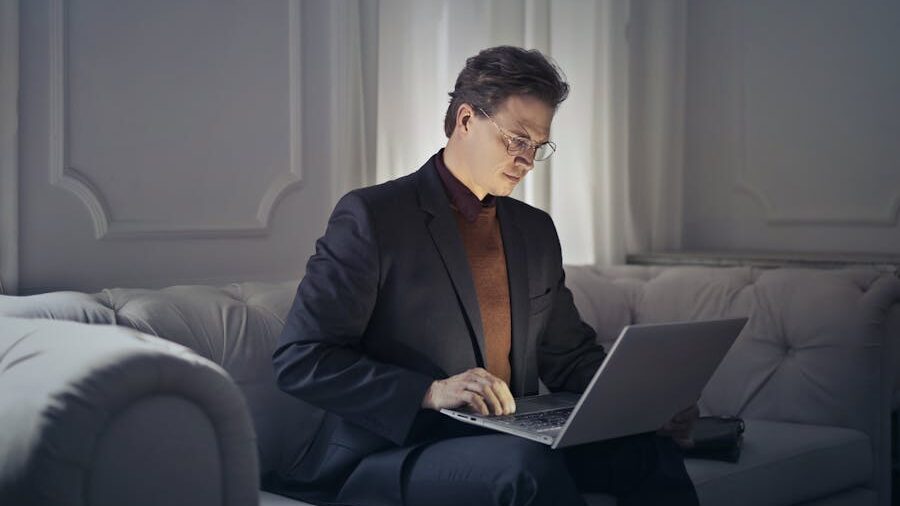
(517, 271)
(445, 234)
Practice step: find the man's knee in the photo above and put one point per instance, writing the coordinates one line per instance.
(534, 474)
(505, 470)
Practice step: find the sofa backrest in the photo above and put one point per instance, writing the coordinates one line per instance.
(234, 326)
(815, 350)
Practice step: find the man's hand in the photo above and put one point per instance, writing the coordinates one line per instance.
(681, 426)
(482, 391)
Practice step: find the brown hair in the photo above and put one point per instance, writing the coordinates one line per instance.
(496, 73)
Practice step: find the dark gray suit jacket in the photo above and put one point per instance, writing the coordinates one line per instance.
(388, 305)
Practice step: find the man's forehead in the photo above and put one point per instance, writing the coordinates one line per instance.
(527, 115)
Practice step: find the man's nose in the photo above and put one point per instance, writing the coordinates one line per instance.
(526, 160)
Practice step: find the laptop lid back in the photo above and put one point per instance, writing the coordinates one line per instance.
(651, 372)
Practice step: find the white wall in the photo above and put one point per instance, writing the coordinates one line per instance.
(198, 141)
(793, 123)
(171, 142)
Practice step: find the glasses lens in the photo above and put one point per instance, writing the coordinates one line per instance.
(544, 151)
(517, 146)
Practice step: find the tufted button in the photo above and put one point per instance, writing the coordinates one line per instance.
(105, 299)
(239, 299)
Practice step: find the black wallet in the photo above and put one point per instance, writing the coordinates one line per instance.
(717, 438)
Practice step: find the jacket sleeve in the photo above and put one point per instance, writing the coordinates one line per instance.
(568, 354)
(319, 357)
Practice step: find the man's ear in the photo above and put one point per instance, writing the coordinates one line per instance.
(464, 114)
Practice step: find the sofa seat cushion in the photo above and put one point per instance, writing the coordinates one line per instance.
(785, 463)
(270, 499)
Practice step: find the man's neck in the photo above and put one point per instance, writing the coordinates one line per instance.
(457, 166)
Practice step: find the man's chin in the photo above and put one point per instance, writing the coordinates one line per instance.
(505, 189)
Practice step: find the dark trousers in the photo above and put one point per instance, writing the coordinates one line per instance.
(498, 469)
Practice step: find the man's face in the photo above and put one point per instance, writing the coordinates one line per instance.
(493, 169)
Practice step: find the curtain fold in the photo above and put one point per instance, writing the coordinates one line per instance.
(657, 120)
(9, 150)
(614, 185)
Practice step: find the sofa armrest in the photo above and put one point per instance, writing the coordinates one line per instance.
(99, 414)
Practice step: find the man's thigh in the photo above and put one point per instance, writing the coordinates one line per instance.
(488, 469)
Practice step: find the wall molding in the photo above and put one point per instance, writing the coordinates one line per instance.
(9, 147)
(888, 216)
(69, 178)
(348, 141)
(769, 260)
(773, 216)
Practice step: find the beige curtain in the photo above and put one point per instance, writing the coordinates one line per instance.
(9, 120)
(614, 185)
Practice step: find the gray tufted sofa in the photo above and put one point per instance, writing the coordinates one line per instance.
(94, 414)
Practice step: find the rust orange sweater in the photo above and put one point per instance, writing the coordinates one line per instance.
(484, 247)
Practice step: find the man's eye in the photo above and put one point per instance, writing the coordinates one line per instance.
(521, 143)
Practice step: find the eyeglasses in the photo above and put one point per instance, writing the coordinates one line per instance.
(517, 145)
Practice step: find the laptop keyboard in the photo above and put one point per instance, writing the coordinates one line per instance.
(541, 421)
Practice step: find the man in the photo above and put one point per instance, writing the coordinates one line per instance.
(435, 291)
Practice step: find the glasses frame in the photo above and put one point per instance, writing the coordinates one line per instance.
(508, 139)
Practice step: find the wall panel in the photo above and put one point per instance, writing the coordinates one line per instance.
(793, 126)
(163, 142)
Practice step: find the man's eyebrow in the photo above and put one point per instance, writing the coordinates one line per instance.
(535, 142)
(546, 139)
(522, 131)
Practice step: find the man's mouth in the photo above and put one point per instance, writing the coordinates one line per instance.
(512, 178)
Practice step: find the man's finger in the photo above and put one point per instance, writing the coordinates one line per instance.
(483, 387)
(500, 389)
(477, 402)
(506, 399)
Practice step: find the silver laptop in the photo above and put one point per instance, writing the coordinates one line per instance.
(651, 372)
